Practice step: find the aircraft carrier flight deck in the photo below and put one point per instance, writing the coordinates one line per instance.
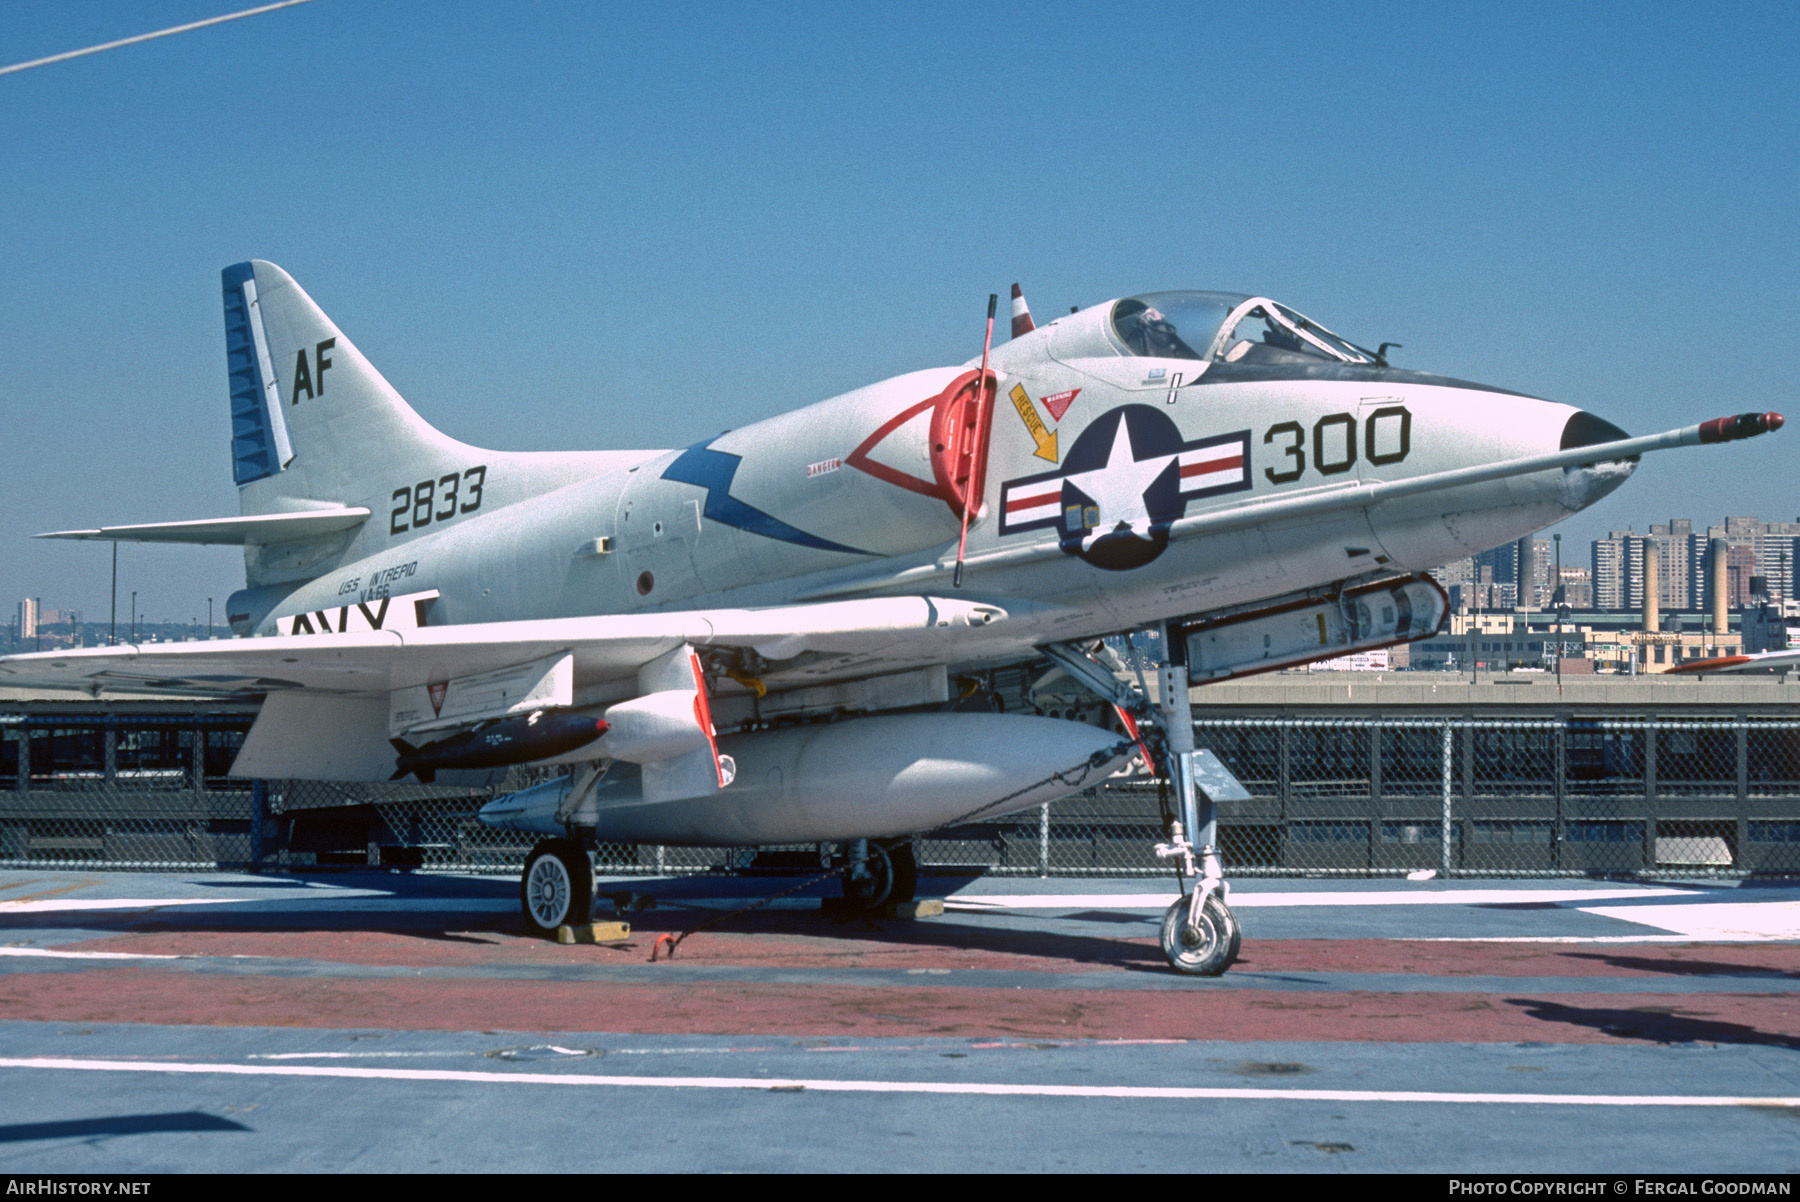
(385, 1020)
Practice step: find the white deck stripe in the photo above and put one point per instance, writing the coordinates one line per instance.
(1714, 920)
(108, 903)
(57, 955)
(1571, 939)
(1244, 899)
(830, 1085)
(291, 903)
(1240, 899)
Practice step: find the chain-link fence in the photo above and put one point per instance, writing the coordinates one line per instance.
(1353, 796)
(1511, 797)
(136, 791)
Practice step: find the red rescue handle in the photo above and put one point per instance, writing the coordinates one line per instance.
(981, 399)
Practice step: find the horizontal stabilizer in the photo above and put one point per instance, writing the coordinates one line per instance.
(239, 531)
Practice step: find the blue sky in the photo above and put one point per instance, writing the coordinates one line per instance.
(599, 225)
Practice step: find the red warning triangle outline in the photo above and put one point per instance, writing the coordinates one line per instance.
(943, 407)
(859, 458)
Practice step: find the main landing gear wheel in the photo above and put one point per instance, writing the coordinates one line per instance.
(1203, 951)
(558, 886)
(893, 876)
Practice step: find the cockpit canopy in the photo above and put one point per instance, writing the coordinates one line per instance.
(1227, 327)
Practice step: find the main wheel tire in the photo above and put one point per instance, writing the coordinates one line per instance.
(557, 888)
(1209, 949)
(866, 892)
(906, 871)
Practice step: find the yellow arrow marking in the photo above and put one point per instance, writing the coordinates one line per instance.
(1045, 439)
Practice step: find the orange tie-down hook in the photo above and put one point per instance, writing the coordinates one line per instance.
(672, 940)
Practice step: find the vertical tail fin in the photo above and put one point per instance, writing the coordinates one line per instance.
(311, 419)
(313, 425)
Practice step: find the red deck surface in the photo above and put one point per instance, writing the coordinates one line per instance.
(928, 945)
(1042, 1008)
(689, 1007)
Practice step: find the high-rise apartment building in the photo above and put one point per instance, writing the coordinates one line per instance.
(1675, 582)
(1457, 571)
(1578, 588)
(1498, 566)
(1525, 565)
(1752, 548)
(1612, 570)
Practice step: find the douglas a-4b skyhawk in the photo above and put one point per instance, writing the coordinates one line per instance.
(763, 637)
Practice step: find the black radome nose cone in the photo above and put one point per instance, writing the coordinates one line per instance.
(1585, 430)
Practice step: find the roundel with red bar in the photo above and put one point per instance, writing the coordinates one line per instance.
(1125, 481)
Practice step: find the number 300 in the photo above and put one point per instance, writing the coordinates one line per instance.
(1386, 438)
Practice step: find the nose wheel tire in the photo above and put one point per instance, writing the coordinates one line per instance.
(558, 886)
(1206, 950)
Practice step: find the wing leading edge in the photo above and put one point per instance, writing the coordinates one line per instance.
(604, 648)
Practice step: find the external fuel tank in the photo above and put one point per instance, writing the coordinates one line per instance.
(862, 778)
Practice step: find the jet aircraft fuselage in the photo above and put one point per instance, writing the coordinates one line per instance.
(770, 635)
(1100, 455)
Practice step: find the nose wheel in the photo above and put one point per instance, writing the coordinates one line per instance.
(1203, 944)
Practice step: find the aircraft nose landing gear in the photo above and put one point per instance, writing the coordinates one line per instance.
(1203, 944)
(1200, 934)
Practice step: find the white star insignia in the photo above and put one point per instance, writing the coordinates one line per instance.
(1119, 486)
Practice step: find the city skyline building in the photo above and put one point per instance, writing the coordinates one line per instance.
(1753, 549)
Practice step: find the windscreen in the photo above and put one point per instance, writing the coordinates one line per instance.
(1261, 331)
(1226, 326)
(1172, 325)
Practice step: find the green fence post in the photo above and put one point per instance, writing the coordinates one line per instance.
(1449, 742)
(259, 813)
(1044, 840)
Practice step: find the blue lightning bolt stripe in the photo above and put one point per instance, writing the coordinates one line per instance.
(712, 470)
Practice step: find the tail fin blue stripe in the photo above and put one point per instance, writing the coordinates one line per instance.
(259, 437)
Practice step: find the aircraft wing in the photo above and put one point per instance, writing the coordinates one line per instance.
(603, 648)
